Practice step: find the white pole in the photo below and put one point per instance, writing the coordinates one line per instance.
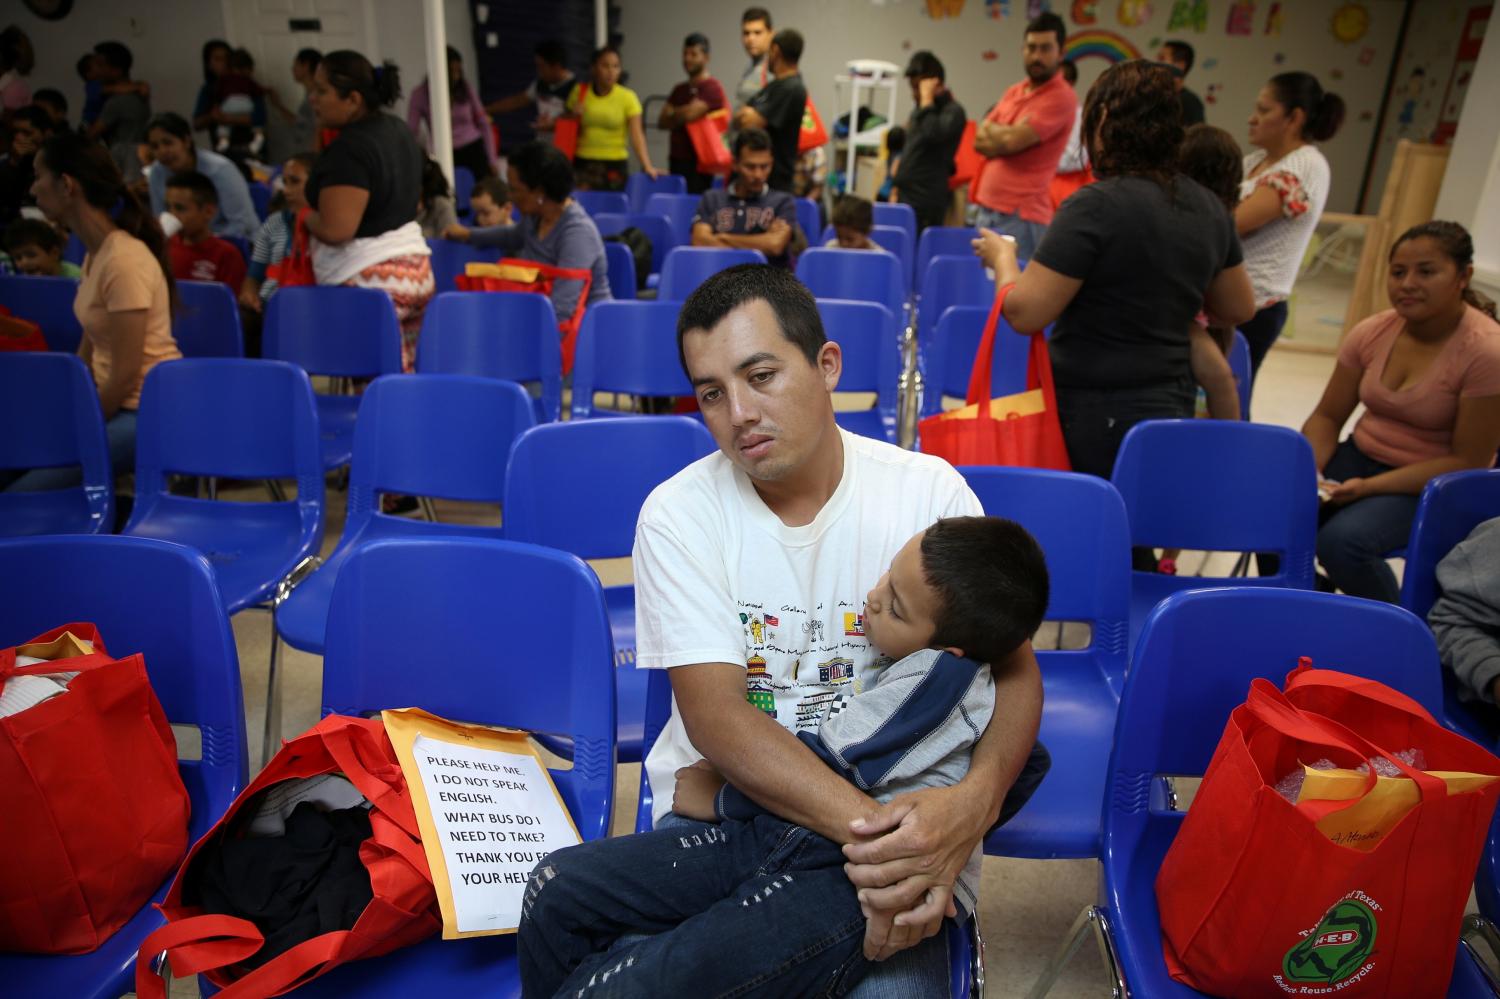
(437, 86)
(601, 23)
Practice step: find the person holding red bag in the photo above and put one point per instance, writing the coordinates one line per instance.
(697, 96)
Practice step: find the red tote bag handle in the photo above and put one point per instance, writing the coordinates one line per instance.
(207, 943)
(392, 802)
(1306, 675)
(981, 377)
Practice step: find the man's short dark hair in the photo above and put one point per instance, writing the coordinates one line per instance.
(789, 41)
(52, 97)
(551, 52)
(308, 57)
(756, 140)
(924, 64)
(1182, 53)
(991, 581)
(32, 232)
(200, 187)
(1049, 22)
(697, 40)
(36, 116)
(795, 308)
(117, 55)
(756, 14)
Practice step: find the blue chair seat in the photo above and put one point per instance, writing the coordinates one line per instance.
(478, 966)
(336, 416)
(234, 538)
(865, 422)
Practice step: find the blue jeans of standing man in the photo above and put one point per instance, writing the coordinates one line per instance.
(1028, 234)
(1353, 538)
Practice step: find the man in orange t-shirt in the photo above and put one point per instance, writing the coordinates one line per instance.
(1022, 139)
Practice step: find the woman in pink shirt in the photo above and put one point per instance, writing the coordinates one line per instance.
(473, 142)
(1428, 374)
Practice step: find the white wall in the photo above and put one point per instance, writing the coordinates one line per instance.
(839, 30)
(1471, 187)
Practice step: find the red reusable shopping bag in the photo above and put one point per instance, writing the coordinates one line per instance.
(813, 134)
(1020, 429)
(967, 161)
(19, 334)
(529, 275)
(93, 810)
(565, 129)
(707, 134)
(1255, 901)
(402, 911)
(296, 268)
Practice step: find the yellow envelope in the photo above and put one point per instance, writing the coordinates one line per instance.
(64, 646)
(507, 272)
(1027, 403)
(1364, 824)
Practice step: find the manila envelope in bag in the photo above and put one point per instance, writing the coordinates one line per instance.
(1362, 825)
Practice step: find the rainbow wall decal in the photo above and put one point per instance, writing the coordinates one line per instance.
(1106, 45)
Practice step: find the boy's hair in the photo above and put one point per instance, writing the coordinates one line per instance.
(855, 212)
(242, 60)
(494, 188)
(304, 160)
(991, 581)
(895, 140)
(117, 55)
(53, 97)
(795, 308)
(32, 232)
(1210, 156)
(36, 116)
(757, 140)
(84, 65)
(200, 187)
(434, 182)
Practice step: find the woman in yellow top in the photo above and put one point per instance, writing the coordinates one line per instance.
(124, 301)
(608, 115)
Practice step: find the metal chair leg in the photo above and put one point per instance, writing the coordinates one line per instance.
(976, 961)
(429, 512)
(1478, 929)
(1091, 918)
(284, 589)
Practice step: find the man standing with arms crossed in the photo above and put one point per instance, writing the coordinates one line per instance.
(1023, 137)
(751, 568)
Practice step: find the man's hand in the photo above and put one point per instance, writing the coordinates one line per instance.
(887, 933)
(920, 843)
(697, 787)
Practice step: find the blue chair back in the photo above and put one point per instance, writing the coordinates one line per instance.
(627, 347)
(239, 243)
(942, 240)
(260, 197)
(892, 239)
(48, 302)
(394, 596)
(639, 188)
(449, 259)
(579, 486)
(621, 271)
(854, 274)
(208, 323)
(950, 357)
(1239, 363)
(463, 187)
(74, 251)
(658, 229)
(495, 334)
(334, 330)
(1451, 506)
(1197, 655)
(809, 218)
(901, 216)
(866, 334)
(680, 209)
(50, 409)
(599, 202)
(686, 267)
(950, 281)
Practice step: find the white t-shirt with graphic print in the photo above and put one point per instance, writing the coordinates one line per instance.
(719, 578)
(1273, 253)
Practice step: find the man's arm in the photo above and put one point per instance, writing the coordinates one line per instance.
(514, 102)
(704, 235)
(749, 117)
(994, 139)
(772, 242)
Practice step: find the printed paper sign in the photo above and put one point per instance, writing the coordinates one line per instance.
(488, 811)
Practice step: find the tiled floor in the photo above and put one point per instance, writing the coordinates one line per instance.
(1028, 905)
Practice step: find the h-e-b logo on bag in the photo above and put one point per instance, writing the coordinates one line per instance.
(1338, 949)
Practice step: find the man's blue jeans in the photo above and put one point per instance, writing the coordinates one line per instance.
(1028, 234)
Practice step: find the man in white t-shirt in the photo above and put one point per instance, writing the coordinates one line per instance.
(751, 569)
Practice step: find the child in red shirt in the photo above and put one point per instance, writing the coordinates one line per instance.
(197, 254)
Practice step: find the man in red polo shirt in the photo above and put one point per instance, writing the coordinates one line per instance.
(1022, 139)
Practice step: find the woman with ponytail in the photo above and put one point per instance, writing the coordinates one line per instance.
(1282, 196)
(126, 297)
(364, 190)
(1428, 374)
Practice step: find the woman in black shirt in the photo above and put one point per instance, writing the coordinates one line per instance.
(1123, 270)
(363, 191)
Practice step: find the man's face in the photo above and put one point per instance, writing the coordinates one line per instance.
(766, 405)
(1042, 55)
(24, 138)
(1166, 55)
(694, 59)
(193, 216)
(901, 611)
(756, 37)
(486, 212)
(754, 168)
(34, 261)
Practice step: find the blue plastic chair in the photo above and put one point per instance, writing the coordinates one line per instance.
(74, 251)
(686, 267)
(950, 357)
(579, 487)
(337, 331)
(940, 240)
(239, 243)
(1197, 655)
(48, 302)
(1080, 523)
(628, 347)
(809, 217)
(680, 209)
(50, 409)
(260, 197)
(866, 333)
(449, 259)
(463, 187)
(893, 239)
(416, 436)
(639, 188)
(854, 274)
(239, 419)
(495, 334)
(528, 606)
(621, 271)
(1239, 363)
(658, 229)
(1212, 485)
(208, 323)
(946, 282)
(599, 202)
(902, 216)
(160, 600)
